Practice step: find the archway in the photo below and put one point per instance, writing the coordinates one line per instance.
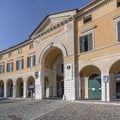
(31, 87)
(54, 70)
(1, 88)
(19, 87)
(9, 88)
(115, 80)
(90, 82)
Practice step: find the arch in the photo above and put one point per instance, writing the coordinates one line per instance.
(9, 88)
(19, 84)
(1, 88)
(88, 70)
(49, 48)
(31, 86)
(86, 74)
(115, 67)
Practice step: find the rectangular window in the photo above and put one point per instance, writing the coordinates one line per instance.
(10, 54)
(118, 3)
(19, 64)
(1, 68)
(118, 31)
(86, 43)
(1, 57)
(19, 51)
(31, 61)
(30, 46)
(87, 19)
(10, 67)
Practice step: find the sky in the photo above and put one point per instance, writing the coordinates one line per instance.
(19, 18)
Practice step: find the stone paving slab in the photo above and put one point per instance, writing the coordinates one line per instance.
(30, 109)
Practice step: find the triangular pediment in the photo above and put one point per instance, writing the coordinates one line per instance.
(52, 20)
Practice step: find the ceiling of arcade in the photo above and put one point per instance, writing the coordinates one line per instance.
(52, 57)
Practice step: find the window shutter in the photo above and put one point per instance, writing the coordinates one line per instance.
(17, 65)
(118, 26)
(22, 63)
(90, 42)
(34, 58)
(81, 45)
(28, 62)
(0, 68)
(7, 67)
(3, 68)
(12, 66)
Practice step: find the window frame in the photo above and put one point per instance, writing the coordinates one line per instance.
(11, 66)
(3, 68)
(32, 59)
(84, 34)
(20, 66)
(116, 29)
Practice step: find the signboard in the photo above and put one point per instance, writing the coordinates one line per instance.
(105, 78)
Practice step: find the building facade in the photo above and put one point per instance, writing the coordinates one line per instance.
(73, 54)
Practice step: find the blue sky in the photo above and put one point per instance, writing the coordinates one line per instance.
(19, 18)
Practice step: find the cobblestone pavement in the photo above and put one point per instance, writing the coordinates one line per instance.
(13, 109)
(56, 110)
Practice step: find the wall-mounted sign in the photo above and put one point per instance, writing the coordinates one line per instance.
(105, 78)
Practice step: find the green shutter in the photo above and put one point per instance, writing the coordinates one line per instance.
(90, 42)
(34, 59)
(81, 44)
(7, 67)
(22, 63)
(12, 65)
(17, 65)
(118, 28)
(28, 62)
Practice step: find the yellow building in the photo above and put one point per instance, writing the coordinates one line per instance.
(73, 54)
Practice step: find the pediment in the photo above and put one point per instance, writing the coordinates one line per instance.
(52, 20)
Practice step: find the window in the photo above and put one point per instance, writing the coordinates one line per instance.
(10, 54)
(31, 61)
(1, 57)
(30, 46)
(1, 68)
(19, 64)
(118, 3)
(118, 31)
(86, 43)
(10, 67)
(19, 51)
(87, 19)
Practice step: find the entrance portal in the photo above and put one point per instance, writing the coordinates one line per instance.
(54, 70)
(94, 86)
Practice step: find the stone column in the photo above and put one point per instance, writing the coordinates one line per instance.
(5, 89)
(14, 89)
(53, 84)
(105, 85)
(25, 90)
